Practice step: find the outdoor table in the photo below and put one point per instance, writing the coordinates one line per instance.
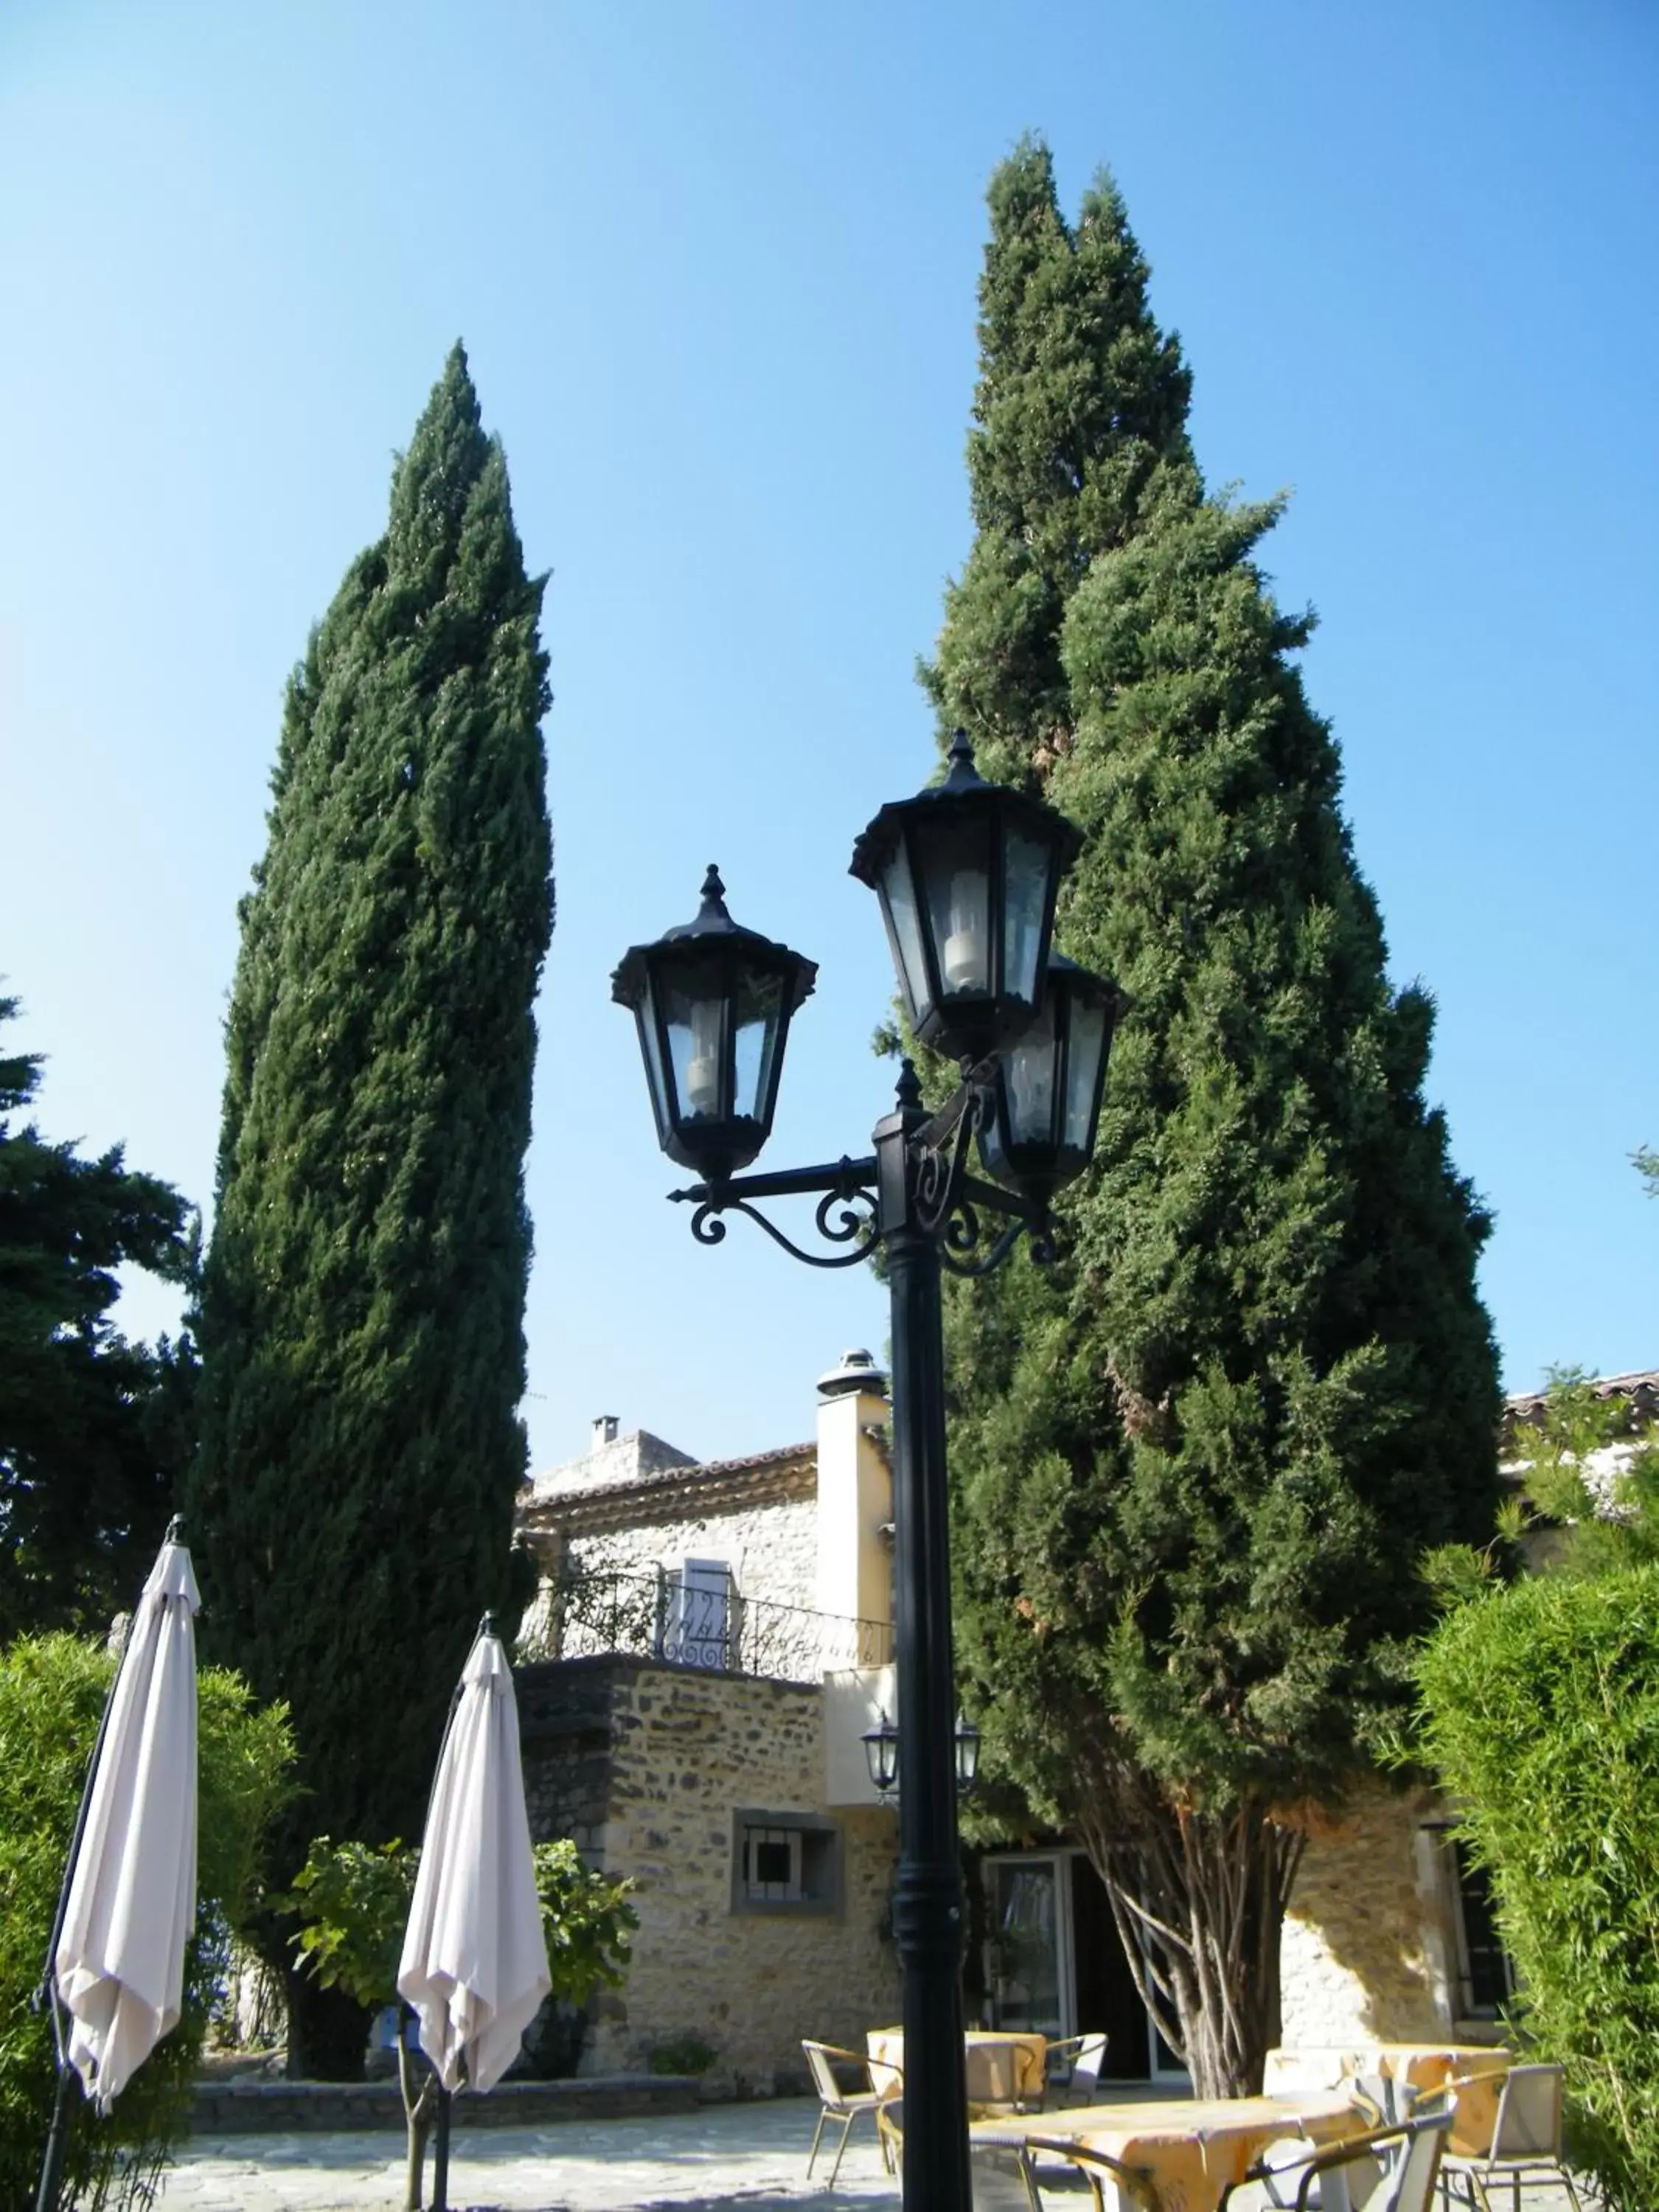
(1422, 2067)
(1190, 2149)
(1004, 2066)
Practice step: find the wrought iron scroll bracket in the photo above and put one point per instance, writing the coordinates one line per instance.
(846, 1212)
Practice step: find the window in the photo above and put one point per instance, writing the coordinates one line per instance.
(1485, 1978)
(697, 1625)
(785, 1862)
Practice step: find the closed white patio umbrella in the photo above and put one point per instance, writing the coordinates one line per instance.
(120, 1955)
(474, 1964)
(117, 1957)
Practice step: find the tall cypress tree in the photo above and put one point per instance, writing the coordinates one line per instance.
(1195, 1466)
(363, 1295)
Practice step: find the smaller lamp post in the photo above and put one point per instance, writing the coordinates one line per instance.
(881, 1755)
(967, 874)
(881, 1751)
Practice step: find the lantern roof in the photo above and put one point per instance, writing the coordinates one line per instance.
(963, 791)
(711, 921)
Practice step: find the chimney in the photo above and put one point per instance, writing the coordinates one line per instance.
(604, 1430)
(856, 1492)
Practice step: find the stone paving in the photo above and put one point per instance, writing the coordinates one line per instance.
(752, 2155)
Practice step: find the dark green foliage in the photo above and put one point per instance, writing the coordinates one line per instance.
(1540, 1710)
(1194, 1467)
(94, 1432)
(51, 1693)
(363, 1309)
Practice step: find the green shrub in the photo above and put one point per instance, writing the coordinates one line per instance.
(686, 2054)
(52, 1694)
(1540, 1710)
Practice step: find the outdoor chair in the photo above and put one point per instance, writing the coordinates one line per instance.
(836, 2103)
(1526, 2141)
(1132, 2190)
(1084, 2057)
(1386, 2170)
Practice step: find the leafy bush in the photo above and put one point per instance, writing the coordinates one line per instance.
(1541, 1709)
(352, 1901)
(52, 1694)
(686, 2054)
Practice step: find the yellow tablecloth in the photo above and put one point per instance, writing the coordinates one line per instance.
(1190, 2149)
(1423, 2067)
(1004, 2067)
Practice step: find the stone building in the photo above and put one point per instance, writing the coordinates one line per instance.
(710, 1642)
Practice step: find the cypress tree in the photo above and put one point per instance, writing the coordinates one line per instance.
(1196, 1465)
(363, 1295)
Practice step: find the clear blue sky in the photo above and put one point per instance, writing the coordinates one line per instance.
(714, 264)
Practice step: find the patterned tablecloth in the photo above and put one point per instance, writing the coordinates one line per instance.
(1190, 2149)
(1423, 2067)
(1003, 2067)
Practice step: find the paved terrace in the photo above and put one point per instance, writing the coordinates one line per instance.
(751, 2156)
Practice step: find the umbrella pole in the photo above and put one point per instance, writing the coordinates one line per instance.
(440, 2155)
(52, 2164)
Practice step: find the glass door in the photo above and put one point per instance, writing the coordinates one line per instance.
(1029, 1943)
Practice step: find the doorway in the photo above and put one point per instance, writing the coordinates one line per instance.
(1054, 1964)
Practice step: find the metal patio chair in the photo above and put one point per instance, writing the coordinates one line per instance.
(846, 2106)
(1526, 2141)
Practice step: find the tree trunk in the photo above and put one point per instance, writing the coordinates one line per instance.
(327, 2033)
(1200, 1906)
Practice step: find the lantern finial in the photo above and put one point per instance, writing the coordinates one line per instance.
(713, 897)
(964, 775)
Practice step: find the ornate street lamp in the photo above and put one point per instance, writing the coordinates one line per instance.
(967, 875)
(1045, 1107)
(967, 1744)
(881, 1751)
(881, 1754)
(714, 1003)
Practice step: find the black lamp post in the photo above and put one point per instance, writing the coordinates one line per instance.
(967, 874)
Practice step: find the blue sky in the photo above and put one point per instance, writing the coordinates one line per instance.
(714, 265)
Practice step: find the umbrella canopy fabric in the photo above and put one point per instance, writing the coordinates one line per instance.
(119, 1962)
(474, 1964)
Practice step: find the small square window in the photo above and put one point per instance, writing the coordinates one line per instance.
(785, 1862)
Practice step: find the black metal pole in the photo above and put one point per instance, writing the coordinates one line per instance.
(927, 1903)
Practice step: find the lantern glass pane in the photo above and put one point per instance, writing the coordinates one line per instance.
(758, 1004)
(1088, 1043)
(651, 1046)
(905, 921)
(1029, 1077)
(956, 883)
(695, 1011)
(1026, 868)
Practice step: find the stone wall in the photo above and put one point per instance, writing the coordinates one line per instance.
(772, 1549)
(668, 1755)
(1366, 1944)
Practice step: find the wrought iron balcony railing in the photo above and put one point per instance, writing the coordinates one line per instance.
(704, 1623)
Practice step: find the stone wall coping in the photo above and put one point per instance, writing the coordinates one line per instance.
(718, 1484)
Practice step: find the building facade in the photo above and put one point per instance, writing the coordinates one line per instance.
(710, 1642)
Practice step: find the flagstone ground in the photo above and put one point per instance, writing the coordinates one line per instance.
(749, 2155)
(752, 2156)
